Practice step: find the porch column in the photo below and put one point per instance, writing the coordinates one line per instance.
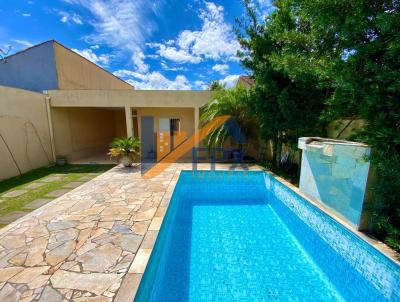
(128, 118)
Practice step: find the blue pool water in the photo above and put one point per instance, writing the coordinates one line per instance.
(244, 236)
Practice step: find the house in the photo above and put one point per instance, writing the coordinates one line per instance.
(52, 66)
(55, 102)
(245, 81)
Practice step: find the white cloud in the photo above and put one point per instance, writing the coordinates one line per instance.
(201, 85)
(69, 17)
(264, 8)
(179, 56)
(122, 24)
(230, 80)
(23, 43)
(153, 56)
(123, 73)
(172, 53)
(221, 68)
(166, 67)
(88, 53)
(153, 80)
(138, 60)
(26, 14)
(77, 19)
(215, 40)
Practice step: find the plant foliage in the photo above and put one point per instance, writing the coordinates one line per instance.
(327, 59)
(232, 102)
(124, 146)
(288, 105)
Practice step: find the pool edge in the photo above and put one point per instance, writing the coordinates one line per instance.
(135, 273)
(379, 246)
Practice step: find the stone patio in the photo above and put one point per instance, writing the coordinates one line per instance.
(91, 244)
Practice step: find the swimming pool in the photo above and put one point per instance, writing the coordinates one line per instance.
(244, 236)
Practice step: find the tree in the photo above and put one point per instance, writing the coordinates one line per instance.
(232, 102)
(287, 106)
(216, 86)
(349, 51)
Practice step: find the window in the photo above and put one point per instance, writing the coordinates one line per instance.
(175, 125)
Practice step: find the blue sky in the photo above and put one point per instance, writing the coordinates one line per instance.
(155, 44)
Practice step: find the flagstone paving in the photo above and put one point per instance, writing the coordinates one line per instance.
(10, 217)
(91, 244)
(85, 178)
(52, 178)
(34, 185)
(14, 193)
(57, 193)
(73, 185)
(37, 203)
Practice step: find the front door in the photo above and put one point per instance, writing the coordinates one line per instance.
(147, 138)
(163, 138)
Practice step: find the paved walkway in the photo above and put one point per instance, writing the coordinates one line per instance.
(35, 194)
(89, 245)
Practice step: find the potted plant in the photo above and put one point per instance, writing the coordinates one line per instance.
(125, 148)
(61, 160)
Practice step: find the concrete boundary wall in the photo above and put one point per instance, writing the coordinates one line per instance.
(25, 142)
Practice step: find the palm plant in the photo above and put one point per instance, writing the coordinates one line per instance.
(125, 148)
(232, 102)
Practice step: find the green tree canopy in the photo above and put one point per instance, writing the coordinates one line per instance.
(333, 59)
(289, 106)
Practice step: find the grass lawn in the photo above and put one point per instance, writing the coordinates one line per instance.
(66, 174)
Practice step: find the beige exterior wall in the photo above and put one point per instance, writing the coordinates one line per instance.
(24, 130)
(79, 132)
(186, 115)
(131, 98)
(335, 127)
(119, 123)
(75, 72)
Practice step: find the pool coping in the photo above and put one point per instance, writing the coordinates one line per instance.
(131, 281)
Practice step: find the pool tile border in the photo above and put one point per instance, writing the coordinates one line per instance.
(378, 245)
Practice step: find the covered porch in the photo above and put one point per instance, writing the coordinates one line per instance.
(83, 134)
(85, 122)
